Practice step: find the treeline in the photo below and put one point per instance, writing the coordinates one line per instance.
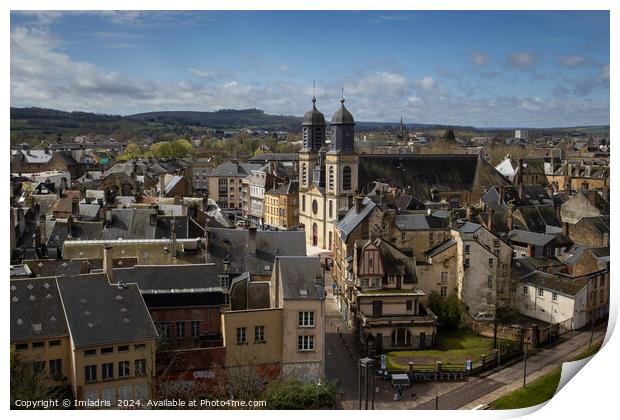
(175, 149)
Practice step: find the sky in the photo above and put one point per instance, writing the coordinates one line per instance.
(486, 69)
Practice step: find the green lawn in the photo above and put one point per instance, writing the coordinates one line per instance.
(453, 348)
(537, 392)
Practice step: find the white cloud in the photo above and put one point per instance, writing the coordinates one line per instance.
(522, 60)
(201, 73)
(571, 61)
(480, 59)
(427, 84)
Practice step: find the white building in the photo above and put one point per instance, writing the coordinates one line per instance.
(522, 134)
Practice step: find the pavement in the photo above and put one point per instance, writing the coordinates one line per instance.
(342, 354)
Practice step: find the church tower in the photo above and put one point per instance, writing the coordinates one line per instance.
(313, 131)
(341, 163)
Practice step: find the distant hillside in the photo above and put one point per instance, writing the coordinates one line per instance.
(223, 119)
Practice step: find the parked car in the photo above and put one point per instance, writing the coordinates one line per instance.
(484, 316)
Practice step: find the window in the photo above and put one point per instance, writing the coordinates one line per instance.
(90, 373)
(444, 276)
(303, 203)
(107, 371)
(38, 345)
(195, 328)
(525, 290)
(140, 367)
(54, 343)
(491, 262)
(409, 305)
(467, 249)
(490, 282)
(541, 292)
(431, 236)
(454, 202)
(109, 394)
(346, 178)
(165, 329)
(496, 243)
(444, 291)
(139, 347)
(124, 392)
(306, 319)
(259, 334)
(331, 178)
(142, 392)
(123, 369)
(241, 335)
(21, 346)
(90, 352)
(315, 207)
(224, 280)
(331, 209)
(554, 296)
(305, 343)
(123, 348)
(180, 329)
(56, 368)
(107, 350)
(402, 235)
(91, 396)
(304, 177)
(466, 263)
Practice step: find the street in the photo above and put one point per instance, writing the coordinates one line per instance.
(341, 364)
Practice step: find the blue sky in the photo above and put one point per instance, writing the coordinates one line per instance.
(530, 69)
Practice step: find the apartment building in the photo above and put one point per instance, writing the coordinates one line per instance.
(95, 337)
(225, 186)
(281, 207)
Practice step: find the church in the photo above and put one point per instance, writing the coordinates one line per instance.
(328, 176)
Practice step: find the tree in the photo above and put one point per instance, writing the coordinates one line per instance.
(132, 151)
(294, 395)
(449, 135)
(447, 309)
(29, 382)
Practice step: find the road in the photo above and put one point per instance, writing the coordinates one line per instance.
(342, 356)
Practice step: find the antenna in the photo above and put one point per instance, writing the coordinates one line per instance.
(342, 93)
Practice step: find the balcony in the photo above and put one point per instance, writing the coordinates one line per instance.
(424, 317)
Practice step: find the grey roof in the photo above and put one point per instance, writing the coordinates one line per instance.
(298, 277)
(36, 156)
(441, 248)
(74, 267)
(342, 116)
(170, 278)
(232, 245)
(598, 223)
(285, 189)
(36, 309)
(352, 219)
(136, 224)
(99, 313)
(555, 283)
(538, 217)
(314, 116)
(80, 230)
(469, 227)
(419, 222)
(89, 211)
(264, 157)
(523, 236)
(234, 169)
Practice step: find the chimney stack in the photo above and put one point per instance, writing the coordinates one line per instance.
(500, 198)
(75, 206)
(509, 217)
(358, 203)
(490, 219)
(252, 240)
(108, 266)
(162, 185)
(566, 229)
(70, 227)
(469, 213)
(520, 174)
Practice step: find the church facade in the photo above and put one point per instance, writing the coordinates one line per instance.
(328, 174)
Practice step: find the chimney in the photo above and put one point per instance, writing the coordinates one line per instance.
(469, 213)
(108, 262)
(162, 185)
(521, 192)
(566, 229)
(75, 206)
(490, 218)
(70, 227)
(358, 203)
(509, 215)
(500, 197)
(107, 216)
(520, 174)
(252, 240)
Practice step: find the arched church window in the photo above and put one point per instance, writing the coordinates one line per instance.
(331, 178)
(346, 178)
(304, 176)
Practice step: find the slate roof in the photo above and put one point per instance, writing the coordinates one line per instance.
(406, 222)
(440, 248)
(36, 156)
(291, 187)
(298, 277)
(525, 237)
(36, 310)
(233, 245)
(136, 224)
(264, 157)
(234, 169)
(170, 278)
(422, 173)
(352, 219)
(408, 202)
(598, 223)
(74, 267)
(99, 313)
(469, 227)
(396, 262)
(537, 218)
(81, 230)
(555, 283)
